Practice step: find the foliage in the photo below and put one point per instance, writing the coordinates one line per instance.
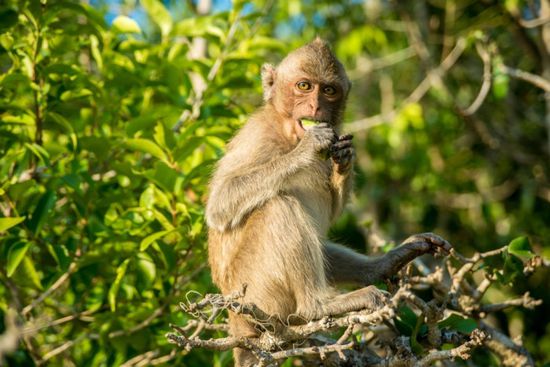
(95, 183)
(108, 133)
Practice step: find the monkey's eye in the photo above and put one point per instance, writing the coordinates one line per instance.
(329, 91)
(304, 85)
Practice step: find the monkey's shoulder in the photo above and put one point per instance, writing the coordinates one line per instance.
(259, 140)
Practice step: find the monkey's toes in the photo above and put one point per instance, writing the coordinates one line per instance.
(376, 298)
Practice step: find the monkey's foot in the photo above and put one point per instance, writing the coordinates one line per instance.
(375, 298)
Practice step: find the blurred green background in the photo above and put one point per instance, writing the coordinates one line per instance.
(112, 114)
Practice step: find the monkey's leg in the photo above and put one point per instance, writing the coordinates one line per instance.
(239, 327)
(369, 298)
(345, 265)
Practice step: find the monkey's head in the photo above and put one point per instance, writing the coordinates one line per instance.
(310, 83)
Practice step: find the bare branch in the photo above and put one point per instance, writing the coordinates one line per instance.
(534, 79)
(463, 351)
(416, 95)
(58, 283)
(510, 353)
(10, 338)
(486, 84)
(533, 23)
(525, 301)
(312, 350)
(381, 343)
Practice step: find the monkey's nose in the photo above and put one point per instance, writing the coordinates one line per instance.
(315, 109)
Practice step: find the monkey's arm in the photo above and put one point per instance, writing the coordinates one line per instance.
(235, 195)
(341, 180)
(345, 265)
(238, 189)
(341, 188)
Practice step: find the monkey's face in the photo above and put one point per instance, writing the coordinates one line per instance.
(310, 83)
(316, 100)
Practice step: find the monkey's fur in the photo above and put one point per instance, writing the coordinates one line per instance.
(274, 195)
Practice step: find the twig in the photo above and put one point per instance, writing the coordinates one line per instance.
(536, 80)
(63, 347)
(139, 359)
(525, 301)
(194, 112)
(139, 326)
(33, 328)
(53, 288)
(463, 351)
(510, 353)
(366, 65)
(279, 341)
(192, 324)
(417, 94)
(533, 23)
(312, 350)
(9, 340)
(486, 84)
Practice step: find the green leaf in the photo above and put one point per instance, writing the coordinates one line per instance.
(165, 222)
(60, 254)
(43, 208)
(95, 298)
(512, 269)
(8, 18)
(124, 24)
(521, 247)
(146, 146)
(164, 137)
(96, 52)
(146, 270)
(113, 291)
(406, 320)
(65, 124)
(164, 176)
(167, 254)
(15, 256)
(61, 69)
(147, 241)
(202, 170)
(500, 85)
(7, 223)
(458, 323)
(199, 26)
(28, 271)
(22, 119)
(188, 147)
(75, 93)
(159, 15)
(39, 152)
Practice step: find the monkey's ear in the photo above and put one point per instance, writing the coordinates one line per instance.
(268, 79)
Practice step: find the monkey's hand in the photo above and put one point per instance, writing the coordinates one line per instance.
(428, 243)
(317, 140)
(385, 267)
(343, 154)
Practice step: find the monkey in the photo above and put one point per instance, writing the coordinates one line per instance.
(276, 191)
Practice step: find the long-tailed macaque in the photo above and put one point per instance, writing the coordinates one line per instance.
(275, 193)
